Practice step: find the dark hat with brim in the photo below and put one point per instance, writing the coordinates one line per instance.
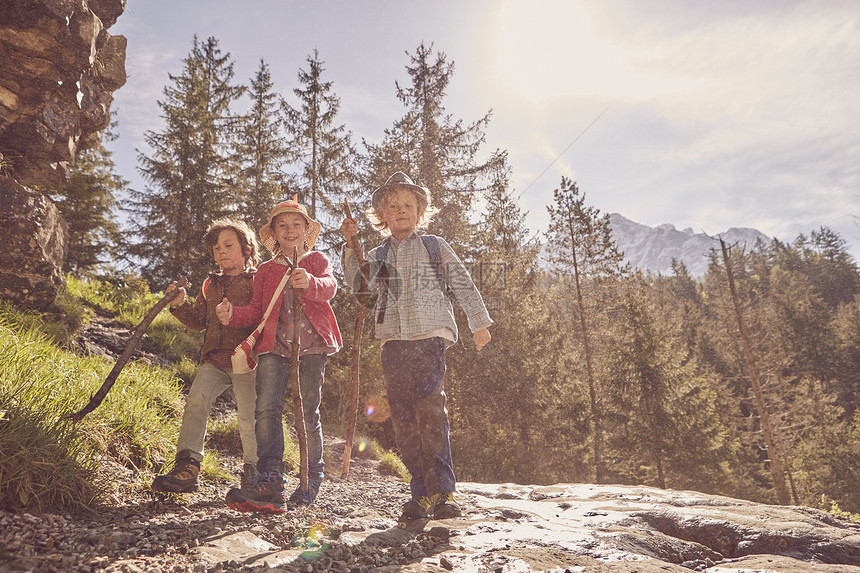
(398, 179)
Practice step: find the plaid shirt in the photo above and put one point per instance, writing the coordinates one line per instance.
(416, 306)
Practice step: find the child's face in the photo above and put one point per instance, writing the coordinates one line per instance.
(290, 230)
(400, 212)
(228, 253)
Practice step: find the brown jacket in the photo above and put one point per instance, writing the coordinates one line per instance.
(201, 315)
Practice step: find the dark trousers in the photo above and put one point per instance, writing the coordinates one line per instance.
(414, 377)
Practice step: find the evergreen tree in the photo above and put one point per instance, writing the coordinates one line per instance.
(846, 327)
(663, 427)
(829, 266)
(192, 171)
(433, 148)
(87, 202)
(582, 252)
(321, 150)
(263, 149)
(538, 411)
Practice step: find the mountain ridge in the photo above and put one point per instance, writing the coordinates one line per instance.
(652, 249)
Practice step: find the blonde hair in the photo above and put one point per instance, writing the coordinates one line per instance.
(247, 238)
(425, 211)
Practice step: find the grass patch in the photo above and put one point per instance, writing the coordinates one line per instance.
(392, 464)
(45, 460)
(223, 434)
(834, 509)
(212, 468)
(128, 300)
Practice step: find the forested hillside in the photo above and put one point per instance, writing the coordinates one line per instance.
(743, 383)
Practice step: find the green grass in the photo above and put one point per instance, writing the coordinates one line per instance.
(833, 508)
(47, 462)
(45, 459)
(128, 300)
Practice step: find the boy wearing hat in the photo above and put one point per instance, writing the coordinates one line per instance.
(415, 321)
(319, 337)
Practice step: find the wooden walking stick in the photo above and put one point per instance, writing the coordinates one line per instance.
(301, 431)
(130, 347)
(354, 243)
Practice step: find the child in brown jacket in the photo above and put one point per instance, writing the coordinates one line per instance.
(235, 249)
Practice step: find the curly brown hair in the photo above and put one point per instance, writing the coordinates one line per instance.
(247, 239)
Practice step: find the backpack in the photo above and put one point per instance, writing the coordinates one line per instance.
(431, 244)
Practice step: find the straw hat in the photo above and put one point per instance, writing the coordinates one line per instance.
(398, 179)
(267, 235)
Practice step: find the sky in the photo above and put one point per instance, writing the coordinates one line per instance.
(703, 115)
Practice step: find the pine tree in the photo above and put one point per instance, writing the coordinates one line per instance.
(581, 250)
(662, 425)
(88, 203)
(503, 377)
(192, 171)
(263, 149)
(433, 148)
(321, 150)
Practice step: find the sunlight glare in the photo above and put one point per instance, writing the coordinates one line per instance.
(549, 49)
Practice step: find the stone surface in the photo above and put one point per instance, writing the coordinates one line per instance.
(505, 528)
(58, 73)
(59, 67)
(33, 236)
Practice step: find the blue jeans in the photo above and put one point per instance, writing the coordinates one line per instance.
(273, 379)
(414, 377)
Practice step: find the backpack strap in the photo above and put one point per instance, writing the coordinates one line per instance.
(382, 279)
(431, 243)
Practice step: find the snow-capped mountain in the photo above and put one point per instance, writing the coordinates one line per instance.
(653, 248)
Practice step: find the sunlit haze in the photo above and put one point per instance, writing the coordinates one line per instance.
(703, 115)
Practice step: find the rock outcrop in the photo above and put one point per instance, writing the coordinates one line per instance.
(58, 71)
(59, 68)
(352, 527)
(33, 236)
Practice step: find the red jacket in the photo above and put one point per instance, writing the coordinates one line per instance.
(321, 289)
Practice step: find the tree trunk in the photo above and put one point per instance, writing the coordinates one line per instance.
(770, 444)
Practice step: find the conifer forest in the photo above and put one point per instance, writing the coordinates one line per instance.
(744, 382)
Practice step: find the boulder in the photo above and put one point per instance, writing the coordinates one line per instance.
(59, 67)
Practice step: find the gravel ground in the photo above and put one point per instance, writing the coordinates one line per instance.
(154, 533)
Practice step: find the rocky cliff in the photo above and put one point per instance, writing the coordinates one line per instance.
(59, 67)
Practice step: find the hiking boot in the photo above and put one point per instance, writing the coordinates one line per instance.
(182, 478)
(300, 497)
(445, 506)
(264, 495)
(416, 509)
(249, 476)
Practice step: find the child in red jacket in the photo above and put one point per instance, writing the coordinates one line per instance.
(289, 226)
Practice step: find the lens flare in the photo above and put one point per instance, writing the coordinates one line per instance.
(315, 539)
(362, 445)
(377, 410)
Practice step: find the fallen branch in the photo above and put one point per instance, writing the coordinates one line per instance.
(130, 347)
